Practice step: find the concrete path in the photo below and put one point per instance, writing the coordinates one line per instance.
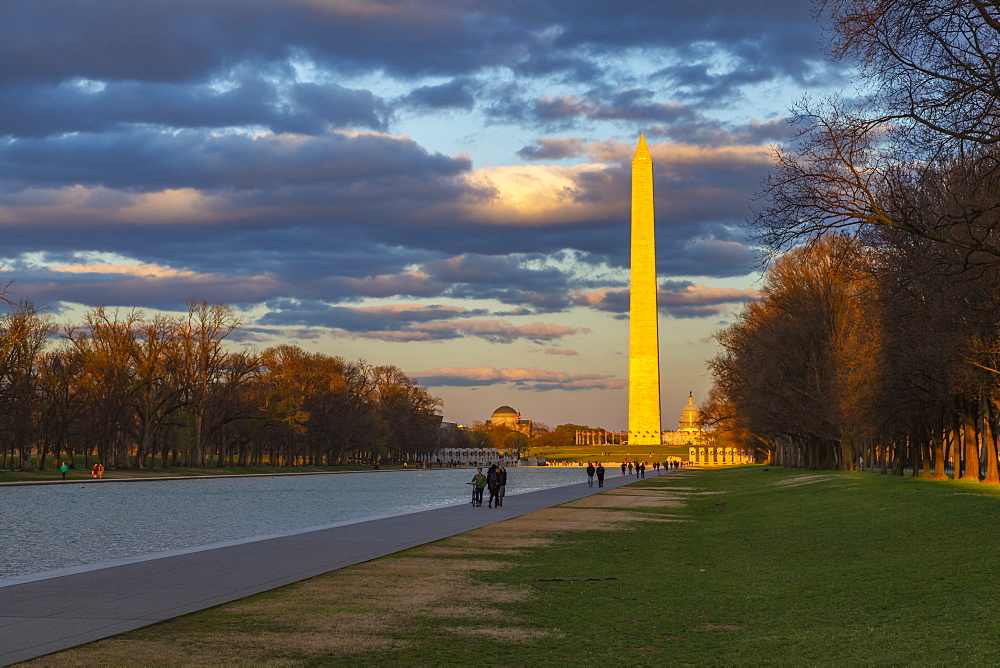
(53, 614)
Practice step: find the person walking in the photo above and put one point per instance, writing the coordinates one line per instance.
(590, 474)
(502, 476)
(600, 474)
(63, 469)
(640, 470)
(493, 483)
(623, 468)
(478, 485)
(630, 468)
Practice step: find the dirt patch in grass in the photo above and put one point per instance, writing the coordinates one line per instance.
(709, 626)
(497, 538)
(627, 501)
(520, 636)
(802, 480)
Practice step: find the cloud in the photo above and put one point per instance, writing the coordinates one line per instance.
(139, 41)
(530, 378)
(553, 149)
(494, 331)
(455, 94)
(248, 99)
(680, 299)
(561, 351)
(362, 319)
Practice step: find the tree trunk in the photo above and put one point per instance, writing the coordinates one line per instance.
(989, 446)
(938, 443)
(970, 447)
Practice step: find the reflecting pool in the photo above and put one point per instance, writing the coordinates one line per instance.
(47, 527)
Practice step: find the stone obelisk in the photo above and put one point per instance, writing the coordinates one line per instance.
(643, 340)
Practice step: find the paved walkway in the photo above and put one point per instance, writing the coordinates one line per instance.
(53, 614)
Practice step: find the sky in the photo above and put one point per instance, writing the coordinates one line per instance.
(441, 185)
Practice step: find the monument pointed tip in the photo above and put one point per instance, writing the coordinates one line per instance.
(641, 150)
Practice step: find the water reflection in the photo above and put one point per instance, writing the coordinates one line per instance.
(56, 526)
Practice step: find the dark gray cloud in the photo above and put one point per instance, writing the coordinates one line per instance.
(286, 312)
(457, 93)
(182, 40)
(635, 105)
(252, 99)
(151, 160)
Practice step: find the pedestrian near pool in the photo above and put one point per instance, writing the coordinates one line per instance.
(478, 485)
(502, 475)
(623, 468)
(493, 483)
(600, 474)
(63, 469)
(630, 468)
(640, 470)
(590, 474)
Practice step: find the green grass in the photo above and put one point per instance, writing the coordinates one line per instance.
(612, 453)
(858, 569)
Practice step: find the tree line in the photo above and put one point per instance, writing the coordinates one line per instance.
(876, 341)
(132, 390)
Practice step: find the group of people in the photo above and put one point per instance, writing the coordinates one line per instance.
(97, 471)
(495, 481)
(640, 469)
(592, 471)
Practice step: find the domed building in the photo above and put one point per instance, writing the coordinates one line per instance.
(511, 418)
(505, 415)
(690, 417)
(688, 428)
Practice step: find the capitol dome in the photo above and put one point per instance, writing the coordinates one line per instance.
(505, 415)
(690, 417)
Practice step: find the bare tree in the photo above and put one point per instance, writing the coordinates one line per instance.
(24, 332)
(201, 337)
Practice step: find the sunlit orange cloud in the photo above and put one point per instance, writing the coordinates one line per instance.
(536, 194)
(698, 294)
(162, 273)
(143, 270)
(533, 373)
(530, 377)
(605, 299)
(184, 205)
(373, 9)
(496, 331)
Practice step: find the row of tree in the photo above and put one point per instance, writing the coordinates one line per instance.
(139, 391)
(877, 337)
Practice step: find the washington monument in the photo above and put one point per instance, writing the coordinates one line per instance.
(643, 342)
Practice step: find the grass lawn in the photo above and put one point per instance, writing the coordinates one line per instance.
(743, 566)
(81, 472)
